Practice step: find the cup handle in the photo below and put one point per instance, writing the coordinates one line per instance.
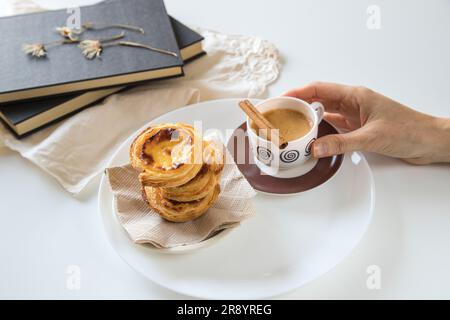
(319, 109)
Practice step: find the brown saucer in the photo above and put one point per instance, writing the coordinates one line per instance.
(324, 169)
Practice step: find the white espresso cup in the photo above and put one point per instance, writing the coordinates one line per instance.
(293, 160)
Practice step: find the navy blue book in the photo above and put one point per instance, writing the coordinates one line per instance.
(65, 70)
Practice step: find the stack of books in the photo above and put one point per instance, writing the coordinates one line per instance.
(35, 92)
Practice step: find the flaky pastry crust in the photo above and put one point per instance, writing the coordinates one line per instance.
(168, 155)
(207, 177)
(180, 211)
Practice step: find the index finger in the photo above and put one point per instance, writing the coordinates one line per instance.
(324, 91)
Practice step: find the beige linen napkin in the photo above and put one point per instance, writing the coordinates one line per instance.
(145, 225)
(77, 149)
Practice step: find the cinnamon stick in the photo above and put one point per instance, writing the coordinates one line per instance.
(261, 122)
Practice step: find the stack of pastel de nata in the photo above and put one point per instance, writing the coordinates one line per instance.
(180, 173)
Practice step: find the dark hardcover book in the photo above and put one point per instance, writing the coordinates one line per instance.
(189, 41)
(27, 116)
(66, 70)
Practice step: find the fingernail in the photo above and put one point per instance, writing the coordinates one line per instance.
(320, 150)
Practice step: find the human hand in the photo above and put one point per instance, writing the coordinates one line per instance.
(375, 123)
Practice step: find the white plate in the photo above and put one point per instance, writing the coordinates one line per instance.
(292, 240)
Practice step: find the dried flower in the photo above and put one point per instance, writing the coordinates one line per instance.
(39, 50)
(69, 33)
(93, 48)
(36, 50)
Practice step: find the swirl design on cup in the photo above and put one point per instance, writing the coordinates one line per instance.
(264, 154)
(289, 156)
(308, 147)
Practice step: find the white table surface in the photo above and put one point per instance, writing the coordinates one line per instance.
(44, 230)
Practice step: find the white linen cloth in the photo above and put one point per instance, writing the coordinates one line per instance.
(77, 149)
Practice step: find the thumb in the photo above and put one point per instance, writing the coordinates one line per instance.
(334, 144)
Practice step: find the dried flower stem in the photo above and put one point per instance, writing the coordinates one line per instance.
(140, 45)
(116, 37)
(92, 26)
(60, 42)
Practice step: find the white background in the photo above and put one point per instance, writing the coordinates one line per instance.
(43, 229)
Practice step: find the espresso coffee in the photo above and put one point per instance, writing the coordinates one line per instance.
(291, 123)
